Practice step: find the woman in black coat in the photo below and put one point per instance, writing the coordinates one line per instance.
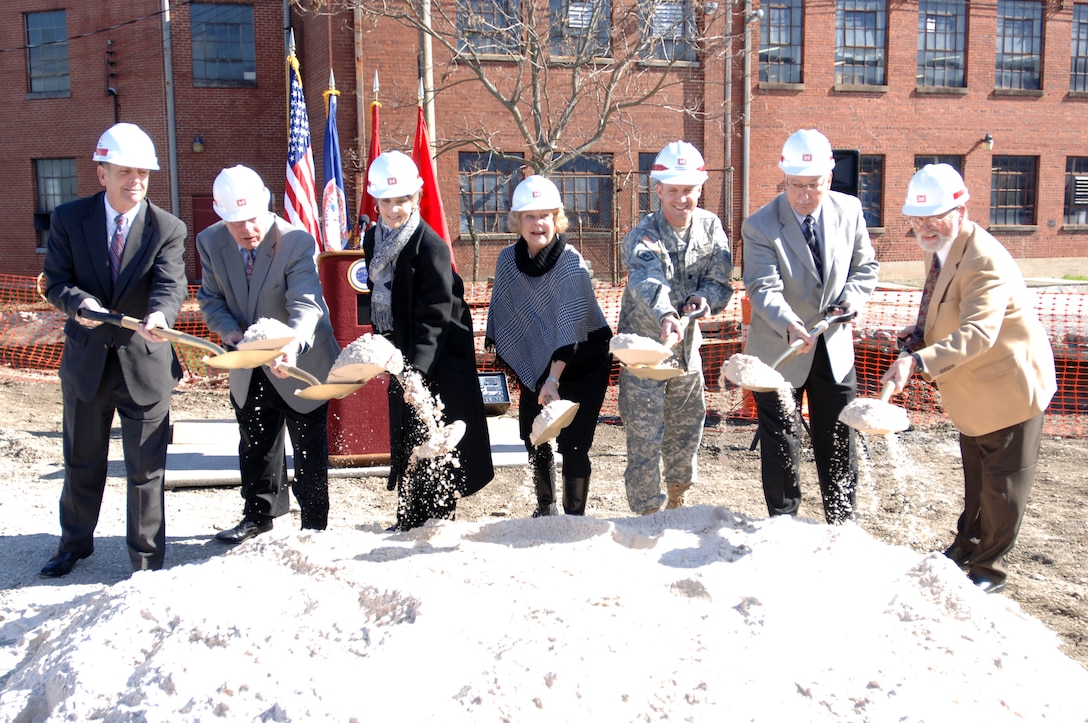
(418, 302)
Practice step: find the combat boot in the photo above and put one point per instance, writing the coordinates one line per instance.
(676, 491)
(575, 494)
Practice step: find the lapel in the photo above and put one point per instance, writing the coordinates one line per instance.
(948, 271)
(139, 239)
(97, 242)
(794, 238)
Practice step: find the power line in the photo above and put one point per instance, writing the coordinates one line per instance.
(98, 31)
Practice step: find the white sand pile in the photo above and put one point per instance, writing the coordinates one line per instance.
(266, 328)
(874, 416)
(553, 418)
(633, 349)
(365, 358)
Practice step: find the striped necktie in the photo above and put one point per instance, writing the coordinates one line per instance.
(251, 258)
(117, 246)
(917, 340)
(813, 241)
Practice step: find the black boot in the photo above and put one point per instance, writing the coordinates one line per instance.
(575, 494)
(544, 482)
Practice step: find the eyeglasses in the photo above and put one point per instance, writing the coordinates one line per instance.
(921, 221)
(810, 187)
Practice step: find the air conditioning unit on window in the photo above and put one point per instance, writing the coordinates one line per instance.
(1080, 190)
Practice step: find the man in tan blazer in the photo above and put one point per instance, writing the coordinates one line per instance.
(982, 344)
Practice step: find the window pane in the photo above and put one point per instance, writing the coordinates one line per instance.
(54, 184)
(861, 30)
(669, 29)
(780, 42)
(224, 49)
(487, 183)
(942, 43)
(1076, 191)
(871, 189)
(1019, 44)
(924, 160)
(1078, 58)
(581, 28)
(489, 26)
(47, 52)
(585, 185)
(1012, 191)
(647, 196)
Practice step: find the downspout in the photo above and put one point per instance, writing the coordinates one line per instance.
(425, 42)
(360, 107)
(171, 120)
(746, 128)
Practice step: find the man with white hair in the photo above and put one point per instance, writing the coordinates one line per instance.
(979, 340)
(806, 252)
(257, 266)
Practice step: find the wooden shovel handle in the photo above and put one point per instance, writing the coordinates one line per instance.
(129, 322)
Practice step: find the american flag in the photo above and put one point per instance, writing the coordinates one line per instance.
(300, 197)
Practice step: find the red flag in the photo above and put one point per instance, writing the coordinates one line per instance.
(368, 208)
(301, 196)
(430, 205)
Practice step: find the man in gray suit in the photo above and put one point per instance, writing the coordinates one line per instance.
(806, 251)
(257, 266)
(116, 250)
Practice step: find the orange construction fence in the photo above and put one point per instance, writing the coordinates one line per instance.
(31, 339)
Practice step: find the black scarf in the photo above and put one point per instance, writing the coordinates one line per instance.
(544, 260)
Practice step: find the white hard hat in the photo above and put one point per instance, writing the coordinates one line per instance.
(391, 175)
(126, 145)
(679, 164)
(807, 153)
(239, 194)
(934, 189)
(536, 193)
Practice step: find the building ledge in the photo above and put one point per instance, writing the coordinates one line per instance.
(853, 88)
(938, 90)
(1018, 93)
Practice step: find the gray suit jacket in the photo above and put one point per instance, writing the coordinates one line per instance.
(783, 286)
(151, 278)
(285, 286)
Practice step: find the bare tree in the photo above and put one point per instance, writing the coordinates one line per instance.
(571, 70)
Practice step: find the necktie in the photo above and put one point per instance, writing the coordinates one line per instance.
(809, 227)
(917, 340)
(117, 246)
(251, 258)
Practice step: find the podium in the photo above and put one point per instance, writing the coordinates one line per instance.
(358, 423)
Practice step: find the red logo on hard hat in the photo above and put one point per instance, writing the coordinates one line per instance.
(100, 151)
(240, 202)
(681, 161)
(920, 198)
(537, 194)
(806, 157)
(391, 181)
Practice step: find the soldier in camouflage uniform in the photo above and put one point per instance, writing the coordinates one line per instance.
(678, 265)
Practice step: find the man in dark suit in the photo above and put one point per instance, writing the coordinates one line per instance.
(804, 252)
(281, 283)
(118, 251)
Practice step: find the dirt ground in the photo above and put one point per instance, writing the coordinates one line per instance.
(911, 493)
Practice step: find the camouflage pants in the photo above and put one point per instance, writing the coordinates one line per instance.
(664, 424)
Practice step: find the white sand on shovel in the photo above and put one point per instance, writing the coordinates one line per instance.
(267, 328)
(369, 350)
(874, 416)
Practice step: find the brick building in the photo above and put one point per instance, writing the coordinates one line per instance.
(891, 84)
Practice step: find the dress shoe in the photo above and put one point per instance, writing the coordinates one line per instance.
(959, 555)
(243, 531)
(985, 584)
(62, 563)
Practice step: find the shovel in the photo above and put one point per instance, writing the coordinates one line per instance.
(763, 371)
(659, 371)
(876, 416)
(316, 390)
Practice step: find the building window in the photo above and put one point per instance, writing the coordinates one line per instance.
(486, 182)
(580, 28)
(1078, 60)
(1019, 44)
(861, 34)
(1076, 191)
(488, 27)
(585, 185)
(942, 43)
(648, 201)
(925, 160)
(1012, 191)
(669, 26)
(47, 53)
(871, 189)
(54, 184)
(224, 51)
(780, 36)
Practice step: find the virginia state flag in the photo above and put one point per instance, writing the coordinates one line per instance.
(334, 202)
